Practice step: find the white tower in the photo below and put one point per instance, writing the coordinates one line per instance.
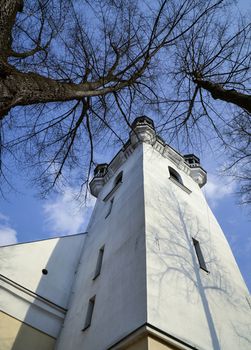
(156, 270)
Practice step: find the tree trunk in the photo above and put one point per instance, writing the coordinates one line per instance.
(232, 96)
(23, 89)
(9, 9)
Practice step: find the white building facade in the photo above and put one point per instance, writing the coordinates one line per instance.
(155, 270)
(35, 285)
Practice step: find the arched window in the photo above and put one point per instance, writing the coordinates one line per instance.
(175, 175)
(118, 179)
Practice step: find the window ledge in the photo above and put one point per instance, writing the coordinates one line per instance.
(206, 270)
(111, 192)
(96, 276)
(248, 298)
(184, 188)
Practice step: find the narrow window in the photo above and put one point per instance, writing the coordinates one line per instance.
(248, 301)
(99, 262)
(89, 313)
(117, 182)
(118, 179)
(175, 175)
(199, 255)
(110, 208)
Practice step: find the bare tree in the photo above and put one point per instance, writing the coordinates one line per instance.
(212, 78)
(73, 75)
(238, 136)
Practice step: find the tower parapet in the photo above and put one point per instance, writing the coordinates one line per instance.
(143, 131)
(198, 174)
(98, 182)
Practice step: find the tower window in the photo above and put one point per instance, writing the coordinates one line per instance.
(99, 262)
(89, 313)
(176, 178)
(117, 182)
(248, 301)
(175, 175)
(199, 255)
(110, 208)
(118, 179)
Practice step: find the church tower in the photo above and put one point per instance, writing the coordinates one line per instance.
(156, 270)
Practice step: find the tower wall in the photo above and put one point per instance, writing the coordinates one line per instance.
(207, 310)
(168, 278)
(120, 288)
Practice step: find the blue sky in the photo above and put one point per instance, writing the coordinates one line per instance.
(24, 217)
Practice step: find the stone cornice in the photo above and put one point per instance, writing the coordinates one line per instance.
(149, 330)
(143, 131)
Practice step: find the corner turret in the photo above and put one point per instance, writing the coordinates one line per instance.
(97, 182)
(198, 174)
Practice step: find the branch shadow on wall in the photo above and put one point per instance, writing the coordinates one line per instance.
(171, 243)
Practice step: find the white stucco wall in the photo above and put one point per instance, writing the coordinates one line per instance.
(208, 311)
(150, 271)
(23, 264)
(120, 289)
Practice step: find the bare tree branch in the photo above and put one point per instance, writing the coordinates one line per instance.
(73, 75)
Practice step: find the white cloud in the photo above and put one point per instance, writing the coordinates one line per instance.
(65, 216)
(7, 234)
(217, 188)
